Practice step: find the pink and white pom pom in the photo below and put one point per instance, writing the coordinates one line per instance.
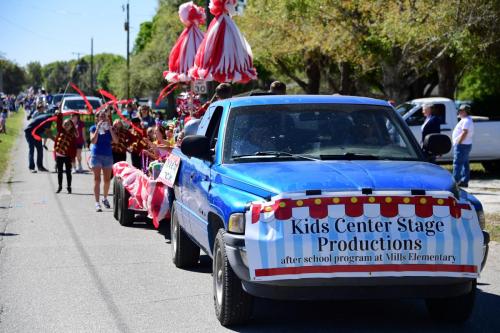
(183, 53)
(224, 54)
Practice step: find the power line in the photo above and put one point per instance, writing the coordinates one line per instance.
(33, 32)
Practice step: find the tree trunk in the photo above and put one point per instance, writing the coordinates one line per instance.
(423, 86)
(395, 86)
(313, 73)
(347, 86)
(447, 72)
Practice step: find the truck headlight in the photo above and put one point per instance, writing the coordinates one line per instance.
(482, 219)
(237, 223)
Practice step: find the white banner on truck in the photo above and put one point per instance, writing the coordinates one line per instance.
(352, 234)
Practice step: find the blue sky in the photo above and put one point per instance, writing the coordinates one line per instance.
(51, 30)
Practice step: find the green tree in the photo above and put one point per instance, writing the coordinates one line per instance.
(56, 75)
(114, 63)
(12, 77)
(400, 48)
(143, 37)
(147, 66)
(34, 77)
(481, 82)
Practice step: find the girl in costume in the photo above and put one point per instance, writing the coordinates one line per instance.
(119, 146)
(161, 146)
(80, 141)
(137, 143)
(65, 149)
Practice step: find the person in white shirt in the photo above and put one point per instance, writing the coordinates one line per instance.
(462, 145)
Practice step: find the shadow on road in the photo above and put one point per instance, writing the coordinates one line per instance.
(5, 234)
(141, 225)
(204, 266)
(372, 315)
(13, 182)
(482, 193)
(479, 174)
(164, 230)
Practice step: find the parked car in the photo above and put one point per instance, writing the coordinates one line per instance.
(322, 197)
(76, 103)
(485, 147)
(56, 101)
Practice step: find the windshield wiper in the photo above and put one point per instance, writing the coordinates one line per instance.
(274, 153)
(349, 156)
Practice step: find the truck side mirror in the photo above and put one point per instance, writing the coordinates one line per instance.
(437, 144)
(196, 146)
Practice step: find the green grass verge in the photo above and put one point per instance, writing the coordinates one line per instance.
(493, 225)
(14, 125)
(476, 171)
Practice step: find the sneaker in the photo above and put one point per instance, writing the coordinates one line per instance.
(75, 171)
(59, 189)
(42, 169)
(33, 171)
(106, 204)
(98, 207)
(69, 190)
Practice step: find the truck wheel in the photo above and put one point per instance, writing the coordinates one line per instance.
(232, 304)
(125, 215)
(116, 194)
(452, 309)
(491, 167)
(185, 253)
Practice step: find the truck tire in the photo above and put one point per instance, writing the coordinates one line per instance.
(185, 253)
(452, 309)
(492, 167)
(116, 194)
(232, 304)
(125, 215)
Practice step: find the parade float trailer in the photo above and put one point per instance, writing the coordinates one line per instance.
(322, 197)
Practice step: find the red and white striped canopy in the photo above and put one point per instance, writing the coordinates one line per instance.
(224, 54)
(183, 53)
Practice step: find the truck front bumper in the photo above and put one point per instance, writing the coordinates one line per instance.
(341, 287)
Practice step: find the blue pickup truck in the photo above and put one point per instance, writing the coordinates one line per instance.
(323, 197)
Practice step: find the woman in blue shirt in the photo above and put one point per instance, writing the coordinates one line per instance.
(101, 156)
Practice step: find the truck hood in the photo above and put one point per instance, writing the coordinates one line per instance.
(272, 178)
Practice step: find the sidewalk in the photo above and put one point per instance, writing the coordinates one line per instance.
(488, 192)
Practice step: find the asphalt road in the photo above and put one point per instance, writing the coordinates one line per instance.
(66, 268)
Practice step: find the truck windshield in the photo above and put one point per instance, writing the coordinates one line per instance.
(404, 108)
(58, 97)
(315, 131)
(79, 104)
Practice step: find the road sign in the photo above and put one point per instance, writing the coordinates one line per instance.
(199, 87)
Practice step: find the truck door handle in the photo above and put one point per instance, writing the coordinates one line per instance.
(445, 129)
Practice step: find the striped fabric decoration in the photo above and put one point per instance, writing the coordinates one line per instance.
(183, 53)
(224, 54)
(145, 194)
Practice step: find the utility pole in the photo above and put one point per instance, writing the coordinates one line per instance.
(127, 29)
(77, 55)
(92, 66)
(76, 72)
